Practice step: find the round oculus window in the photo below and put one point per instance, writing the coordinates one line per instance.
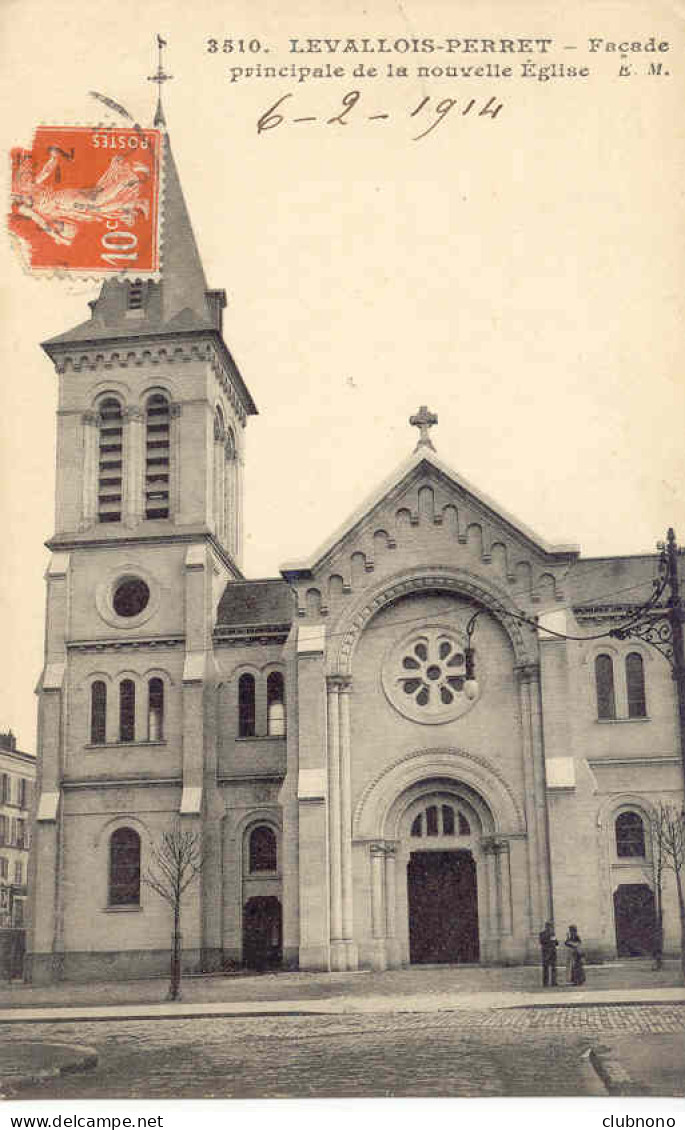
(424, 675)
(131, 597)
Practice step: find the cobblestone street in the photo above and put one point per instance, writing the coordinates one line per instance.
(520, 1052)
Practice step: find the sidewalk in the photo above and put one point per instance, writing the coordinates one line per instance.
(429, 989)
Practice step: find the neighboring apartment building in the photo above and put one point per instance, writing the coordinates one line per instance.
(362, 800)
(17, 776)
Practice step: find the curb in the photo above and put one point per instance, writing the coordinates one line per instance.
(336, 1007)
(613, 1074)
(84, 1057)
(81, 1018)
(677, 1003)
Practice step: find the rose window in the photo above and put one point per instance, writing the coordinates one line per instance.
(424, 676)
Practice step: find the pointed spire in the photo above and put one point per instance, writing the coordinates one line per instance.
(184, 287)
(177, 302)
(160, 77)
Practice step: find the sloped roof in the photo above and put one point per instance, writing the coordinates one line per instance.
(620, 580)
(252, 603)
(180, 300)
(423, 457)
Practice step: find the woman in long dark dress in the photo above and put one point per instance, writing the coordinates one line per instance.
(575, 972)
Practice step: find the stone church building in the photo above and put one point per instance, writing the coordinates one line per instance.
(387, 756)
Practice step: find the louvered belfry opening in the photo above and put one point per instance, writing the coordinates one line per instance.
(157, 457)
(135, 295)
(110, 471)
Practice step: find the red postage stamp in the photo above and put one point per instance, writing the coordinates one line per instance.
(86, 200)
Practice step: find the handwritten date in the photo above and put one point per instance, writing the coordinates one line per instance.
(429, 112)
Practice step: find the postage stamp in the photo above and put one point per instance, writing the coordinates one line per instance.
(85, 200)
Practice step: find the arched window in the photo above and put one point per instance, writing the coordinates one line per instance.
(111, 461)
(440, 820)
(246, 706)
(98, 713)
(263, 851)
(630, 836)
(157, 457)
(604, 678)
(127, 711)
(275, 705)
(155, 710)
(635, 686)
(124, 868)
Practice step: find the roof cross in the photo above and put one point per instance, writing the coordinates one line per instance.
(424, 420)
(160, 77)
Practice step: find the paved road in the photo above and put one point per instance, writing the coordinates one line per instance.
(519, 1052)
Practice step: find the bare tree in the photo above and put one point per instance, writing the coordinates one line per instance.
(668, 844)
(173, 864)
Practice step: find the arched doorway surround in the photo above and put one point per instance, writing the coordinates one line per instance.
(345, 633)
(490, 832)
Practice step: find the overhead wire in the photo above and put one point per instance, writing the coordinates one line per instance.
(637, 613)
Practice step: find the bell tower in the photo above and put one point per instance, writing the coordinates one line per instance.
(152, 406)
(151, 420)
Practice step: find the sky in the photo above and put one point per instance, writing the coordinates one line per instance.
(519, 274)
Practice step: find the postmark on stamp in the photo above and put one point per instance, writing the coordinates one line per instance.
(86, 200)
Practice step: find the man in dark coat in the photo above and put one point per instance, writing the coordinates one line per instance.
(548, 949)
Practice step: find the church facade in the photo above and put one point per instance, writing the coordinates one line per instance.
(416, 745)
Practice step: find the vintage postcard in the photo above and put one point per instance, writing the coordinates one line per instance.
(343, 734)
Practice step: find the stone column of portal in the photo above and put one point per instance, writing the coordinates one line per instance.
(134, 484)
(535, 911)
(345, 690)
(497, 862)
(491, 943)
(175, 458)
(500, 854)
(90, 469)
(392, 945)
(378, 952)
(505, 887)
(338, 950)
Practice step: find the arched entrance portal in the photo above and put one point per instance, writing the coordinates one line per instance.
(443, 907)
(458, 906)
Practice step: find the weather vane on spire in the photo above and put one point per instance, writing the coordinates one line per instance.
(423, 420)
(160, 77)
